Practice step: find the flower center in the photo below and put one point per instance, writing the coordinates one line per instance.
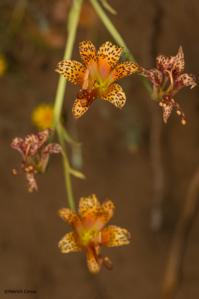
(87, 237)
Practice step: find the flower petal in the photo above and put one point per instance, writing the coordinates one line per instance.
(154, 75)
(168, 104)
(78, 110)
(179, 61)
(185, 80)
(68, 215)
(167, 109)
(115, 95)
(109, 54)
(89, 206)
(87, 52)
(115, 236)
(32, 184)
(124, 69)
(72, 70)
(93, 265)
(174, 63)
(108, 208)
(105, 213)
(68, 243)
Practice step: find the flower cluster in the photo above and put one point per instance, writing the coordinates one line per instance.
(96, 76)
(35, 153)
(89, 231)
(167, 79)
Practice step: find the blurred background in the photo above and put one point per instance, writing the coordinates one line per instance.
(149, 169)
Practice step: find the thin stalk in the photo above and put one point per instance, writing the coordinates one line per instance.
(116, 36)
(59, 98)
(66, 167)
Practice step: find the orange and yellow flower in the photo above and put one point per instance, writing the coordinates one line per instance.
(42, 116)
(96, 76)
(89, 232)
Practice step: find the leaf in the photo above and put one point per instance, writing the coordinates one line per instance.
(67, 137)
(108, 7)
(77, 174)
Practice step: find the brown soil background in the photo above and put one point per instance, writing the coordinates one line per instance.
(116, 166)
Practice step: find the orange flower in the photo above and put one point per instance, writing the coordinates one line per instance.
(89, 233)
(96, 76)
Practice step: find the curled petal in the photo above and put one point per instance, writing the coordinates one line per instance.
(68, 243)
(109, 54)
(89, 206)
(115, 236)
(154, 75)
(17, 143)
(78, 109)
(69, 216)
(52, 148)
(87, 52)
(115, 95)
(174, 63)
(185, 80)
(93, 264)
(72, 70)
(124, 69)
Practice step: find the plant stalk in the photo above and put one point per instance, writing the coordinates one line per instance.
(72, 24)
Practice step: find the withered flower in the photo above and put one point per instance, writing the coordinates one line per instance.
(96, 76)
(89, 232)
(35, 151)
(167, 79)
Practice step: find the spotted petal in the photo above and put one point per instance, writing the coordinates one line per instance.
(115, 95)
(185, 80)
(124, 69)
(104, 214)
(115, 236)
(108, 208)
(89, 206)
(87, 52)
(68, 215)
(109, 54)
(78, 110)
(93, 265)
(72, 70)
(68, 243)
(179, 62)
(174, 63)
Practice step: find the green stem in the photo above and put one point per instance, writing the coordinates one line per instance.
(72, 29)
(117, 37)
(59, 98)
(67, 174)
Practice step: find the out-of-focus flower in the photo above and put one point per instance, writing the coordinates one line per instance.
(88, 17)
(97, 75)
(89, 232)
(167, 79)
(42, 116)
(35, 153)
(3, 65)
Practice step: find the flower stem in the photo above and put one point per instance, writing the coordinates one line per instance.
(116, 36)
(59, 98)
